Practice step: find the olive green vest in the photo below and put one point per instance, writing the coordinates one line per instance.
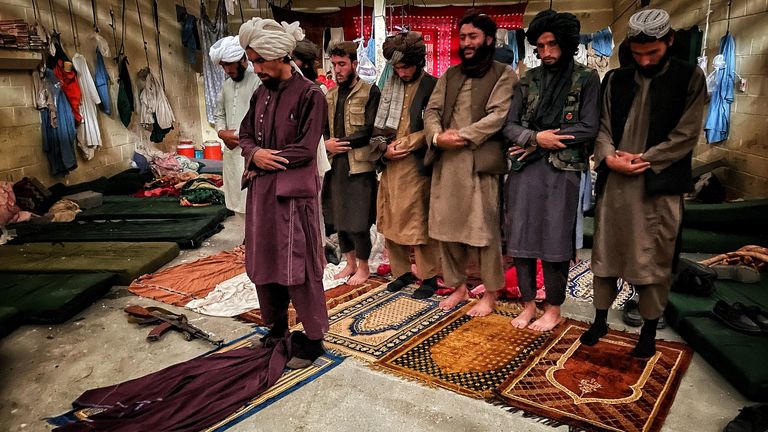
(574, 157)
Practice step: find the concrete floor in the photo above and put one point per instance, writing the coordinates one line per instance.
(44, 368)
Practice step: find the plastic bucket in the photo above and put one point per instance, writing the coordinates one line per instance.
(187, 150)
(198, 154)
(212, 150)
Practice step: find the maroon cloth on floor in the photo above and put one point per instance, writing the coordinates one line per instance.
(187, 396)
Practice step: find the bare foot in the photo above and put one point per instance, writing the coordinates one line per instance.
(548, 321)
(484, 306)
(459, 295)
(347, 271)
(361, 275)
(525, 317)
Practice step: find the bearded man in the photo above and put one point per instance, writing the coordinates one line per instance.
(651, 120)
(402, 210)
(279, 137)
(231, 106)
(462, 122)
(552, 123)
(349, 188)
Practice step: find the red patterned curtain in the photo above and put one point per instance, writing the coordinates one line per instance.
(438, 25)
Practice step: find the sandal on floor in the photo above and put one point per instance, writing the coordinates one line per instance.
(734, 317)
(759, 316)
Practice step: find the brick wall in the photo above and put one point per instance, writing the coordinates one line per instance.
(746, 150)
(20, 133)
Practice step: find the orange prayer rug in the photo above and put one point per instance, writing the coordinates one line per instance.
(598, 388)
(180, 284)
(470, 356)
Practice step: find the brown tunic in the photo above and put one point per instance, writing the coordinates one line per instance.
(635, 233)
(464, 205)
(403, 198)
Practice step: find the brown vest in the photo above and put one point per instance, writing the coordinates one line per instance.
(491, 156)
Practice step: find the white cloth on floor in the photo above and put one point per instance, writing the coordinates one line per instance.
(88, 132)
(230, 298)
(237, 295)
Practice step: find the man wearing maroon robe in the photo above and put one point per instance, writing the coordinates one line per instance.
(279, 138)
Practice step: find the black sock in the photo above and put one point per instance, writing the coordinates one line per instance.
(598, 329)
(427, 288)
(646, 344)
(311, 350)
(401, 282)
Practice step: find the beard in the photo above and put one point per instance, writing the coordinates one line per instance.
(415, 76)
(348, 79)
(240, 73)
(652, 71)
(480, 55)
(270, 82)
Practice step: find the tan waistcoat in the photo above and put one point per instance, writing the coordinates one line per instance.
(360, 159)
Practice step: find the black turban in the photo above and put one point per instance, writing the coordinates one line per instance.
(565, 26)
(410, 45)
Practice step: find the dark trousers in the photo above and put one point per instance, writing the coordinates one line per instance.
(555, 279)
(308, 300)
(360, 242)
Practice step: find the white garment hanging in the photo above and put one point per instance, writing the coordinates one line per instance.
(230, 5)
(88, 132)
(581, 54)
(152, 100)
(530, 60)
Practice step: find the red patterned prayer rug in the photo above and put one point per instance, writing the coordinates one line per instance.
(470, 356)
(598, 388)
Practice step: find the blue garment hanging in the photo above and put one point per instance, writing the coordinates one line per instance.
(602, 42)
(371, 50)
(59, 141)
(719, 113)
(101, 79)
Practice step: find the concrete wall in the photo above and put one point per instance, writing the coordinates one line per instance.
(746, 150)
(20, 134)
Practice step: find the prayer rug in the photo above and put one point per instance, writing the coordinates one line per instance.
(600, 387)
(290, 381)
(470, 356)
(580, 285)
(333, 298)
(373, 325)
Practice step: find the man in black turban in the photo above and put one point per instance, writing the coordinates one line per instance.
(552, 122)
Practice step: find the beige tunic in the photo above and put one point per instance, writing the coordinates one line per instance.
(464, 206)
(403, 197)
(635, 233)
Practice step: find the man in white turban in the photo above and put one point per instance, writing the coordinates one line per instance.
(279, 138)
(651, 119)
(231, 106)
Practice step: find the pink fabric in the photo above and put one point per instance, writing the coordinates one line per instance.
(8, 208)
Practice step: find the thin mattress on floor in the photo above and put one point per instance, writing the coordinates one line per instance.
(188, 233)
(126, 207)
(685, 305)
(127, 260)
(52, 298)
(697, 240)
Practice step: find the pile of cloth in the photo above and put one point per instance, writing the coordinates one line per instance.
(194, 188)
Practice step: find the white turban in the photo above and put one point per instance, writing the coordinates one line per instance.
(227, 50)
(652, 22)
(270, 39)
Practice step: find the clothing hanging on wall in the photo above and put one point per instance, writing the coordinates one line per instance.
(88, 132)
(213, 75)
(101, 77)
(719, 113)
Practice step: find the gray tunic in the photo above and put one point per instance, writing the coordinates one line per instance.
(543, 201)
(635, 233)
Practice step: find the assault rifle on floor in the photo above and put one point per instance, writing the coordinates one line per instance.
(165, 320)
